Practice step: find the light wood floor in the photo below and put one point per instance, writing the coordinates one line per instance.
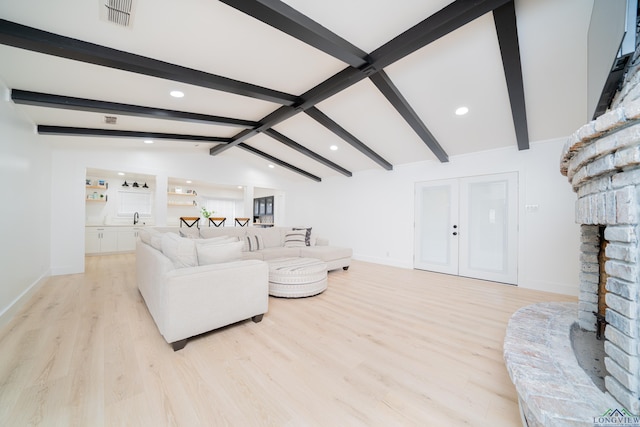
(381, 347)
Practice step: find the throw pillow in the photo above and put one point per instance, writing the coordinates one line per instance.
(295, 239)
(190, 233)
(253, 243)
(181, 251)
(145, 236)
(215, 253)
(156, 240)
(307, 236)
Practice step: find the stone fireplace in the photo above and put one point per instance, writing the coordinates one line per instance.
(602, 163)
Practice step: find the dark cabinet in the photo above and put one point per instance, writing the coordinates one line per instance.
(263, 210)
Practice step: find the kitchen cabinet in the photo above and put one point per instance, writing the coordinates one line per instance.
(100, 240)
(127, 239)
(110, 239)
(263, 211)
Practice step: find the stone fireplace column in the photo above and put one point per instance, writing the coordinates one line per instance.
(602, 162)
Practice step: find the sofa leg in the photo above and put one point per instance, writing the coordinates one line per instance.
(345, 268)
(257, 318)
(179, 345)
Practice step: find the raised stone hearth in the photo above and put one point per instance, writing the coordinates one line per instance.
(552, 388)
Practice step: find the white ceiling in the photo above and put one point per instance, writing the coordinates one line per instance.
(461, 68)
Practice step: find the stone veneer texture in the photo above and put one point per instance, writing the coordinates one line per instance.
(602, 162)
(553, 390)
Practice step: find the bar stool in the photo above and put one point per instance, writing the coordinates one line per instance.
(195, 220)
(218, 221)
(242, 222)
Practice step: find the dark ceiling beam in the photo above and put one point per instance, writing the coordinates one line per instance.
(441, 23)
(393, 95)
(278, 161)
(448, 19)
(507, 30)
(281, 114)
(288, 20)
(303, 150)
(113, 133)
(23, 37)
(334, 127)
(24, 97)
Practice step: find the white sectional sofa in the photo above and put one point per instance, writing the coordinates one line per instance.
(275, 242)
(197, 280)
(188, 294)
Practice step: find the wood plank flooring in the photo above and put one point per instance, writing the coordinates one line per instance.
(382, 346)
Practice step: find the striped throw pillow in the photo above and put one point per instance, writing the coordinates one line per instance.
(295, 239)
(253, 243)
(307, 236)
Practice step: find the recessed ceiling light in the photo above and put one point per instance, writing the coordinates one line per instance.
(333, 148)
(148, 141)
(188, 182)
(121, 173)
(271, 166)
(239, 187)
(461, 111)
(176, 93)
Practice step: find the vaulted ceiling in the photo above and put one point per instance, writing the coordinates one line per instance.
(284, 81)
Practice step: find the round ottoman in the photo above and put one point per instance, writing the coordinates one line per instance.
(297, 277)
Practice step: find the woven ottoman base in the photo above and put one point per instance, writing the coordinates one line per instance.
(297, 277)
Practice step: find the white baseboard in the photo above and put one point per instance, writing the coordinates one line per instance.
(10, 311)
(384, 261)
(556, 288)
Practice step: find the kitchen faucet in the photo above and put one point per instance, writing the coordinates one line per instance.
(136, 218)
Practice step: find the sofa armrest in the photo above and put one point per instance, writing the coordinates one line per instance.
(204, 298)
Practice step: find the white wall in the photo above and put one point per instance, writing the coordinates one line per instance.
(25, 221)
(71, 157)
(373, 212)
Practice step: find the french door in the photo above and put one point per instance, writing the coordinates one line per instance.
(468, 227)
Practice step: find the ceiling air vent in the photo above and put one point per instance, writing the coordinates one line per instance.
(110, 120)
(119, 11)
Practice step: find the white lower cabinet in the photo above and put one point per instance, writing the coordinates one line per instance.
(100, 240)
(127, 239)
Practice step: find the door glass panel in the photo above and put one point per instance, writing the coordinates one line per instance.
(487, 227)
(434, 239)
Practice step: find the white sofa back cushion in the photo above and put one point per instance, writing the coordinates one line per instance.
(181, 251)
(218, 251)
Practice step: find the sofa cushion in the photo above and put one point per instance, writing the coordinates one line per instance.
(217, 240)
(209, 232)
(280, 252)
(151, 237)
(156, 240)
(218, 251)
(181, 251)
(253, 243)
(307, 236)
(189, 233)
(295, 239)
(326, 253)
(145, 236)
(271, 236)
